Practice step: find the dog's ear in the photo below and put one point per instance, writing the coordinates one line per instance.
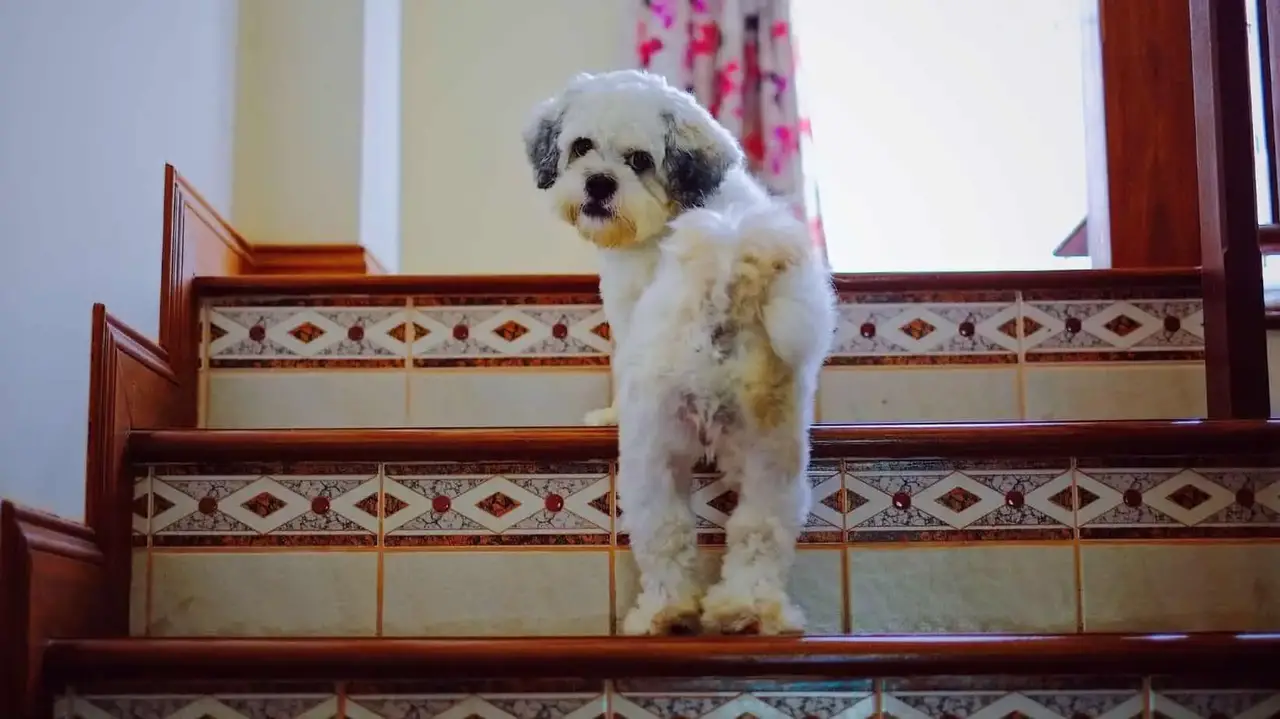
(699, 153)
(541, 137)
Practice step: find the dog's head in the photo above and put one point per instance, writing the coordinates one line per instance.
(623, 152)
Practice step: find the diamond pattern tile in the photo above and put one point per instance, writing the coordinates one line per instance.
(886, 332)
(241, 506)
(1143, 502)
(933, 500)
(442, 504)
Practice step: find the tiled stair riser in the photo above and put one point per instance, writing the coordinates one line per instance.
(526, 361)
(500, 548)
(921, 698)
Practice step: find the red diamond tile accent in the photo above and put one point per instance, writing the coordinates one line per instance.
(844, 500)
(600, 503)
(1063, 499)
(958, 499)
(497, 504)
(390, 505)
(306, 333)
(1122, 325)
(264, 504)
(726, 502)
(511, 330)
(401, 332)
(216, 333)
(1189, 496)
(1010, 327)
(602, 331)
(917, 329)
(369, 505)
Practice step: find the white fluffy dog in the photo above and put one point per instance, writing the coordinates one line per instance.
(722, 313)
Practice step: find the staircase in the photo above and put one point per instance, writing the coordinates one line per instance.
(369, 496)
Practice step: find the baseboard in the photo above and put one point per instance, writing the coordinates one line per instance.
(52, 582)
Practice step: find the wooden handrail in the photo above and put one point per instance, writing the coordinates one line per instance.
(105, 660)
(1007, 439)
(1127, 279)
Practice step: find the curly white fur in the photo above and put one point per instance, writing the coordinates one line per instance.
(722, 314)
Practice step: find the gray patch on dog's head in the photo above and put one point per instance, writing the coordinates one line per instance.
(693, 170)
(544, 154)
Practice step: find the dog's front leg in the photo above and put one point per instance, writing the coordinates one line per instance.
(773, 501)
(653, 494)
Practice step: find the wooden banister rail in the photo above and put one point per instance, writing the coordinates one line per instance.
(1025, 440)
(157, 660)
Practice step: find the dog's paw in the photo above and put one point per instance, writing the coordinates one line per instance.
(606, 417)
(727, 611)
(654, 617)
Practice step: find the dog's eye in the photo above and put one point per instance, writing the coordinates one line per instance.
(640, 161)
(580, 147)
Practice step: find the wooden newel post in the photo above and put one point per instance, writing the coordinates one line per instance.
(1235, 338)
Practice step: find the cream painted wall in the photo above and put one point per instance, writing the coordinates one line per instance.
(95, 97)
(299, 106)
(472, 71)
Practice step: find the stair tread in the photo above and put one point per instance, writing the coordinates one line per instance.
(981, 440)
(668, 657)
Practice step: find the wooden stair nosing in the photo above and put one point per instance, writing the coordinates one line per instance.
(70, 660)
(1257, 439)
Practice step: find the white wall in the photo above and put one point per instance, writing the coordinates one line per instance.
(472, 72)
(95, 97)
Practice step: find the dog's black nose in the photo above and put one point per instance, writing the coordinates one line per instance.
(601, 187)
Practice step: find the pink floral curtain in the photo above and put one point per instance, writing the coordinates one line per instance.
(738, 58)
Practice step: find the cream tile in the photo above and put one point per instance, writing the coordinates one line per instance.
(499, 398)
(292, 399)
(963, 589)
(1112, 390)
(1184, 587)
(816, 584)
(918, 394)
(138, 594)
(283, 593)
(496, 593)
(1273, 364)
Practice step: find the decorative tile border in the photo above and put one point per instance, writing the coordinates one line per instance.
(483, 706)
(973, 700)
(732, 704)
(452, 504)
(463, 504)
(887, 331)
(1154, 500)
(364, 332)
(1215, 703)
(915, 500)
(714, 500)
(1102, 330)
(248, 505)
(906, 328)
(249, 706)
(507, 335)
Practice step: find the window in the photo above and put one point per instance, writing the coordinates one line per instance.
(947, 135)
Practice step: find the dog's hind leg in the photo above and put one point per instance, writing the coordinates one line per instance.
(653, 492)
(773, 501)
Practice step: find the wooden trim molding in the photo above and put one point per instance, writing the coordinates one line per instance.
(1004, 439)
(131, 386)
(52, 584)
(1235, 334)
(312, 260)
(1234, 655)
